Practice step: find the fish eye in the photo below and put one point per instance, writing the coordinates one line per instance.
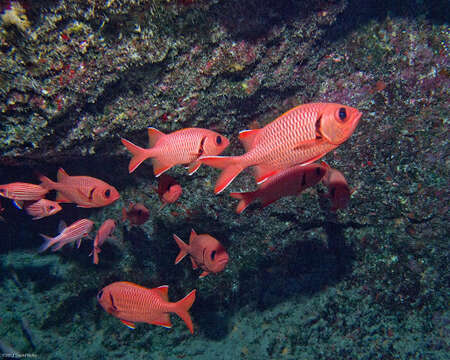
(213, 255)
(342, 114)
(51, 207)
(218, 140)
(100, 294)
(107, 193)
(139, 212)
(318, 171)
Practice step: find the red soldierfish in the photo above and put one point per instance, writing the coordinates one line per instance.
(183, 146)
(41, 208)
(74, 232)
(22, 191)
(205, 251)
(300, 136)
(291, 181)
(136, 214)
(338, 190)
(134, 303)
(168, 190)
(103, 233)
(85, 191)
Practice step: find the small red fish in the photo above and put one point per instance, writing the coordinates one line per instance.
(136, 214)
(300, 136)
(338, 190)
(41, 208)
(183, 146)
(85, 191)
(291, 181)
(168, 190)
(205, 251)
(132, 303)
(74, 232)
(103, 233)
(22, 191)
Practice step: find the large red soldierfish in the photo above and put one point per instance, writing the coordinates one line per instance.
(291, 181)
(133, 303)
(338, 190)
(85, 191)
(103, 233)
(205, 251)
(74, 232)
(300, 136)
(183, 146)
(22, 191)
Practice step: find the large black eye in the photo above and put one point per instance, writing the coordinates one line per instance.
(342, 114)
(107, 193)
(213, 255)
(100, 294)
(51, 207)
(219, 140)
(139, 212)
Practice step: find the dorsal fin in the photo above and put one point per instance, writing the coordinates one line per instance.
(163, 291)
(61, 175)
(193, 235)
(247, 137)
(153, 136)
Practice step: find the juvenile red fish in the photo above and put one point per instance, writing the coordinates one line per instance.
(338, 190)
(41, 208)
(105, 231)
(183, 146)
(74, 232)
(136, 214)
(168, 190)
(132, 303)
(205, 251)
(300, 136)
(22, 191)
(85, 191)
(291, 181)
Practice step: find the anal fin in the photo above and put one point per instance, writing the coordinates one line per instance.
(129, 324)
(163, 320)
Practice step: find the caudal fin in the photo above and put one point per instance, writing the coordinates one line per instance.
(245, 200)
(45, 182)
(139, 154)
(183, 249)
(48, 241)
(231, 168)
(182, 307)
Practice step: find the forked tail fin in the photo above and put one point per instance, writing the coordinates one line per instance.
(48, 241)
(184, 249)
(245, 200)
(182, 307)
(231, 168)
(139, 154)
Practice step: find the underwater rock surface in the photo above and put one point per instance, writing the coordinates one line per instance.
(370, 282)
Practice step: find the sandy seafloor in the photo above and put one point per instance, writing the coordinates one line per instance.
(368, 282)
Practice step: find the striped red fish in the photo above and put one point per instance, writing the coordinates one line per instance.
(291, 181)
(74, 232)
(22, 191)
(133, 303)
(183, 146)
(300, 136)
(103, 233)
(85, 191)
(41, 208)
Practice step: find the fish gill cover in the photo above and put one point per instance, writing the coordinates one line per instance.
(302, 282)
